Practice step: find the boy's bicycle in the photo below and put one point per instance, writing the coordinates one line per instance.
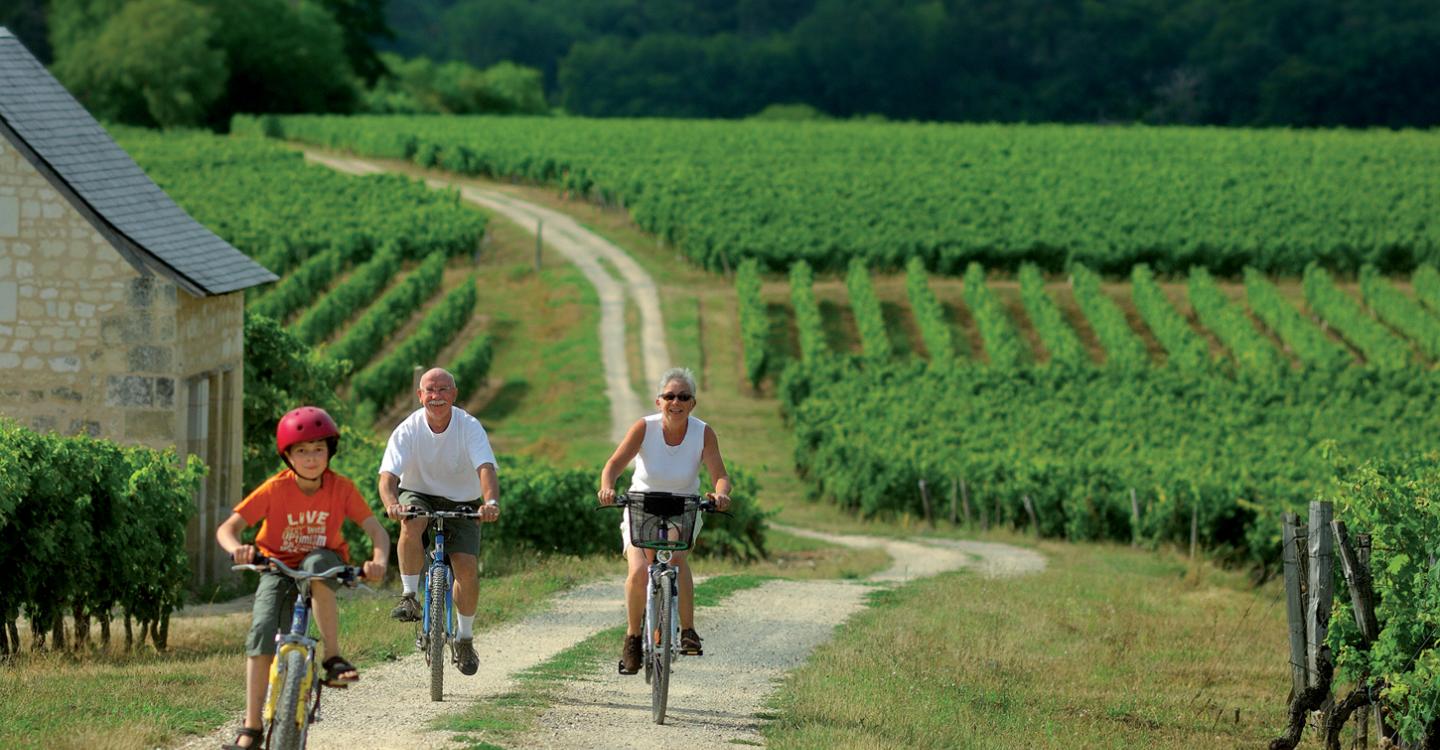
(292, 702)
(436, 628)
(666, 523)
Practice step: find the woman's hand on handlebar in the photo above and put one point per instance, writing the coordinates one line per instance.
(722, 502)
(607, 496)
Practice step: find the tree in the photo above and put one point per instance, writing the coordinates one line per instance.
(361, 21)
(153, 63)
(281, 373)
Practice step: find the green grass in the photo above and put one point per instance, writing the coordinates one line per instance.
(1107, 648)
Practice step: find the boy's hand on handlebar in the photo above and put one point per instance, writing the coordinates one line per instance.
(722, 502)
(244, 554)
(374, 571)
(607, 496)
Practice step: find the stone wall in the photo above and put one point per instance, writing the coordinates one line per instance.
(90, 345)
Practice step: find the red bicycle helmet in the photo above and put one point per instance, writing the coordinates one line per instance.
(306, 423)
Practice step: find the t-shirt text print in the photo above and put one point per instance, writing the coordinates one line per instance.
(294, 524)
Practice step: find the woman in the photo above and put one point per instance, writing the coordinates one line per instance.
(668, 448)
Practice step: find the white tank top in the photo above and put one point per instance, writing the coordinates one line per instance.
(669, 468)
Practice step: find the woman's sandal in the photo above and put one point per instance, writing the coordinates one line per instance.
(336, 666)
(254, 735)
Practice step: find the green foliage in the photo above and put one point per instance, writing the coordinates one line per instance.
(112, 519)
(300, 288)
(1251, 350)
(471, 365)
(1395, 501)
(826, 192)
(929, 316)
(1123, 348)
(1382, 349)
(420, 86)
(1400, 312)
(281, 373)
(381, 382)
(154, 62)
(874, 341)
(1427, 286)
(808, 324)
(1184, 347)
(754, 325)
(1302, 336)
(1002, 342)
(385, 316)
(1056, 334)
(328, 311)
(1238, 450)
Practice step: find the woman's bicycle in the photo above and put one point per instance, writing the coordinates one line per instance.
(436, 628)
(292, 702)
(666, 523)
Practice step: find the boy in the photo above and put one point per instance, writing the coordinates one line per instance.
(300, 510)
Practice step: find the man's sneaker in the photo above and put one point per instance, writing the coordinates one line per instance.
(408, 610)
(465, 656)
(630, 655)
(690, 643)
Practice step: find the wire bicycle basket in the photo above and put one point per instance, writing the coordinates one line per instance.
(662, 520)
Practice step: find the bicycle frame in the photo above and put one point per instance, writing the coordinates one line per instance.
(439, 565)
(662, 573)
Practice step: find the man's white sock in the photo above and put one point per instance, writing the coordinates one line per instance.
(411, 583)
(465, 625)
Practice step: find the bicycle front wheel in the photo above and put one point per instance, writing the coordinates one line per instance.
(660, 683)
(292, 715)
(435, 628)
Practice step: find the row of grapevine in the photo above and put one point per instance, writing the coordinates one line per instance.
(1233, 452)
(1001, 195)
(1381, 347)
(1302, 336)
(87, 526)
(1185, 349)
(1427, 286)
(378, 383)
(1002, 343)
(326, 313)
(1123, 347)
(869, 319)
(384, 316)
(807, 312)
(929, 316)
(1251, 350)
(300, 288)
(754, 325)
(1400, 312)
(1058, 337)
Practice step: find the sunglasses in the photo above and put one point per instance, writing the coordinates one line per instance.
(681, 397)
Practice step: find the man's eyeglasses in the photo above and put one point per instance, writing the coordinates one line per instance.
(681, 397)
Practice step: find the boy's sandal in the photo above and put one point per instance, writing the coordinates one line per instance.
(335, 668)
(254, 735)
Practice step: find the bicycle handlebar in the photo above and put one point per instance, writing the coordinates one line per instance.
(415, 511)
(346, 574)
(623, 499)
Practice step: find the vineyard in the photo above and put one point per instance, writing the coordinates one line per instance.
(1107, 197)
(1207, 405)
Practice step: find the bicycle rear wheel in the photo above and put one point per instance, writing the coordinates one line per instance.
(292, 709)
(660, 683)
(435, 629)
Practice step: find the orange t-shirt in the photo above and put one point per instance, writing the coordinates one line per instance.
(294, 524)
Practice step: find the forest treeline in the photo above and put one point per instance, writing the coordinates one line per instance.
(1222, 62)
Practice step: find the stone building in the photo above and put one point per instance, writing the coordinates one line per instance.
(120, 316)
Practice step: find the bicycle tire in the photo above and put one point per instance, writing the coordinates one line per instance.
(647, 644)
(292, 714)
(660, 686)
(436, 633)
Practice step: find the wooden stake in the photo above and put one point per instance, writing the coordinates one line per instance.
(965, 501)
(954, 500)
(1294, 537)
(1030, 509)
(1317, 613)
(1357, 579)
(1134, 519)
(925, 501)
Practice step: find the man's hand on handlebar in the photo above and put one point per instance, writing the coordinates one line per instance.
(489, 512)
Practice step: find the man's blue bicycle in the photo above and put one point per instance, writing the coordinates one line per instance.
(292, 702)
(436, 629)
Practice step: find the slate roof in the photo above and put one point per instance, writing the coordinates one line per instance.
(72, 148)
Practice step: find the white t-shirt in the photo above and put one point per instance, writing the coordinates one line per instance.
(669, 468)
(441, 464)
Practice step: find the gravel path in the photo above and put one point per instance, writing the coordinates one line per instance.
(589, 252)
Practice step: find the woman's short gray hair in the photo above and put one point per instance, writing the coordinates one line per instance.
(678, 373)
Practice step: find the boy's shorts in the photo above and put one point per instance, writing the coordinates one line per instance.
(462, 535)
(275, 601)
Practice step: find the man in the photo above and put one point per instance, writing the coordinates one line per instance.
(437, 459)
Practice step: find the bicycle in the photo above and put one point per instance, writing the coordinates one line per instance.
(292, 702)
(436, 628)
(666, 523)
